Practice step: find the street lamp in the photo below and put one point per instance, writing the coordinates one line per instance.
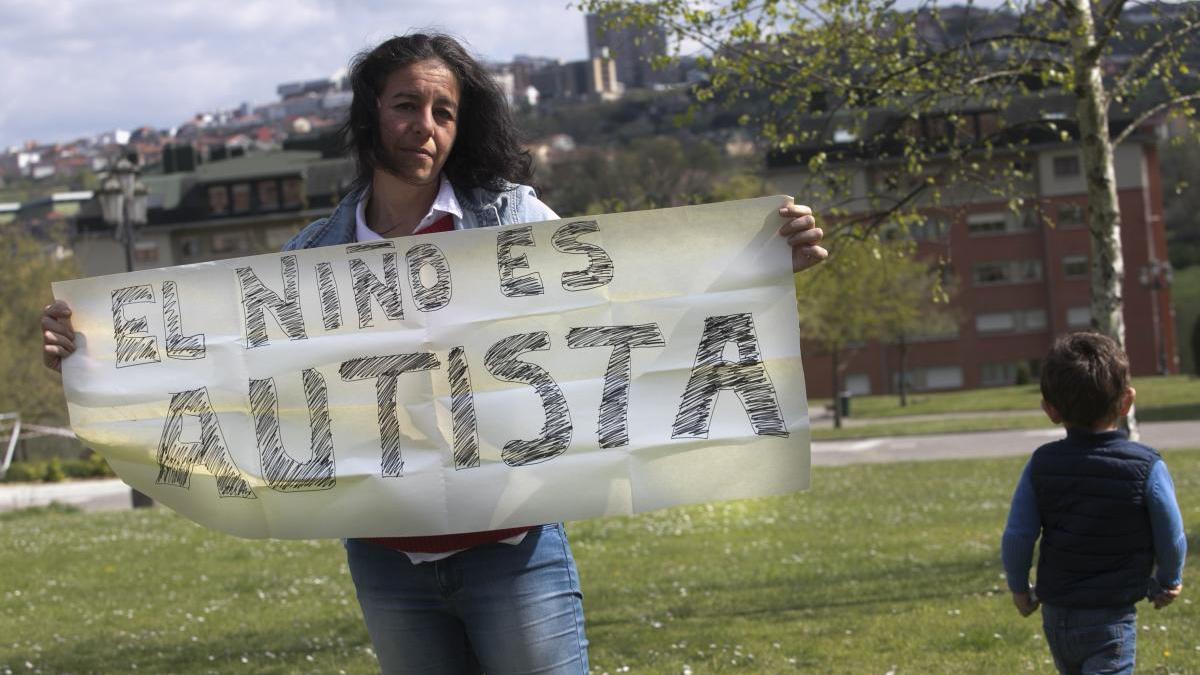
(123, 204)
(1157, 275)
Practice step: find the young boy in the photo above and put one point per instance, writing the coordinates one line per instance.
(1105, 510)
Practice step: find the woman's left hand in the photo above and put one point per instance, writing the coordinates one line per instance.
(802, 234)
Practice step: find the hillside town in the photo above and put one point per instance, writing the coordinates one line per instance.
(243, 180)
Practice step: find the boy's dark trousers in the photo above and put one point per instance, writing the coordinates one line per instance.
(1084, 641)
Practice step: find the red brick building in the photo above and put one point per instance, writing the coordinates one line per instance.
(1020, 280)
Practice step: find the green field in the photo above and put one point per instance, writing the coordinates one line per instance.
(1185, 298)
(899, 426)
(887, 567)
(1153, 392)
(1159, 399)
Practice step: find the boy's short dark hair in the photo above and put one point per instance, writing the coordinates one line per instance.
(1084, 377)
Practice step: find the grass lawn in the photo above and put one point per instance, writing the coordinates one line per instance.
(879, 567)
(1185, 297)
(1159, 398)
(951, 425)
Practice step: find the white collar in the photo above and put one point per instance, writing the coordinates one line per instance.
(445, 203)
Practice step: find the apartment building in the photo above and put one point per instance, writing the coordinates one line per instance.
(1022, 277)
(235, 206)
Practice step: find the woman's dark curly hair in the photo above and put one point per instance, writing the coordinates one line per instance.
(486, 151)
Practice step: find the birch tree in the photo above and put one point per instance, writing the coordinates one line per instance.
(829, 68)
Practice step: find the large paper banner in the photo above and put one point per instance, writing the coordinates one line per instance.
(453, 382)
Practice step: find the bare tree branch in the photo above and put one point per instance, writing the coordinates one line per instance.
(1151, 112)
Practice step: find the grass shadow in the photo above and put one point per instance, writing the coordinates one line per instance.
(1170, 413)
(947, 580)
(53, 508)
(283, 649)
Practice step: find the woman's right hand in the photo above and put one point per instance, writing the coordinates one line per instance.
(58, 338)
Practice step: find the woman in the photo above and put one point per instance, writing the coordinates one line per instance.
(437, 150)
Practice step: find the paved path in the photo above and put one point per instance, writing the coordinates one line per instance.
(1160, 435)
(112, 494)
(823, 419)
(109, 494)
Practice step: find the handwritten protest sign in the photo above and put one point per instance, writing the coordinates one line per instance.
(453, 382)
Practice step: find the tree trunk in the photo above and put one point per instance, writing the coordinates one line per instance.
(903, 347)
(1103, 213)
(837, 391)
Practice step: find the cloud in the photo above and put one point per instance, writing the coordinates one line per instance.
(77, 67)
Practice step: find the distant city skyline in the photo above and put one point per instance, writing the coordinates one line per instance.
(76, 68)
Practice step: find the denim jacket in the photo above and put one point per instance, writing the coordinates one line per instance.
(481, 208)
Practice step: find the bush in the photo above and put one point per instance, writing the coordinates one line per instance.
(25, 472)
(54, 471)
(93, 466)
(1024, 374)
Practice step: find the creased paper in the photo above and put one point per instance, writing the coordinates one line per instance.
(453, 382)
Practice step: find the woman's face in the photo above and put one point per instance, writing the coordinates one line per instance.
(418, 120)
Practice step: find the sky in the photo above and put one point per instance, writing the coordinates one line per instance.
(74, 68)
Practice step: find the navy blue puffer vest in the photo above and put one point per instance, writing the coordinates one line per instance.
(1096, 549)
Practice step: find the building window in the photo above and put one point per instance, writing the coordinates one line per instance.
(926, 379)
(998, 374)
(1006, 374)
(218, 200)
(1033, 319)
(1000, 222)
(929, 229)
(1066, 166)
(1027, 320)
(1068, 215)
(995, 322)
(858, 384)
(1075, 266)
(986, 223)
(1006, 272)
(1079, 317)
(229, 242)
(189, 247)
(268, 195)
(293, 193)
(145, 252)
(241, 198)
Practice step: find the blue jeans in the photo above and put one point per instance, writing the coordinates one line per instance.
(497, 608)
(1087, 641)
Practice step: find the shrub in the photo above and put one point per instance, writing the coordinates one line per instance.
(1024, 374)
(54, 471)
(93, 466)
(24, 472)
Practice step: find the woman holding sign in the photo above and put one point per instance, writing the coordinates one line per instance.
(437, 150)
